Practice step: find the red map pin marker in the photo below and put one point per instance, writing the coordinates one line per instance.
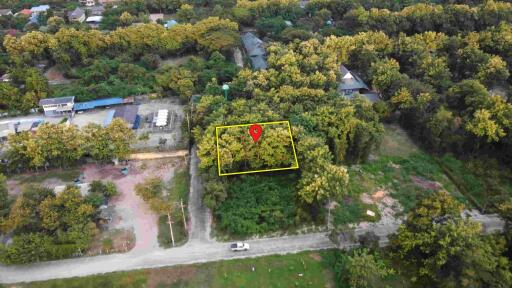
(255, 131)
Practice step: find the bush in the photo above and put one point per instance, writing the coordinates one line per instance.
(107, 189)
(258, 204)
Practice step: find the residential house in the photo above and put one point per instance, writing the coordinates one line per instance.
(57, 106)
(40, 9)
(5, 12)
(155, 17)
(94, 21)
(351, 84)
(95, 10)
(77, 15)
(255, 49)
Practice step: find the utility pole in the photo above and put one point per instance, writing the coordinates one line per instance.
(170, 226)
(183, 213)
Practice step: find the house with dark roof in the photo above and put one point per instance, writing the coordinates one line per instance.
(77, 15)
(57, 106)
(255, 49)
(351, 84)
(95, 10)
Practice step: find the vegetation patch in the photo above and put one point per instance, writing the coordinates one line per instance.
(297, 270)
(258, 205)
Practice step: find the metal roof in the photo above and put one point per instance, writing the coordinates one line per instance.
(77, 13)
(255, 50)
(59, 100)
(97, 103)
(127, 113)
(40, 8)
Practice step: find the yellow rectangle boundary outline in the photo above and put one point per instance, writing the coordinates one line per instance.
(296, 166)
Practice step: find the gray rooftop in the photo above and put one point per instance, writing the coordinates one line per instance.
(77, 13)
(255, 50)
(350, 83)
(4, 12)
(128, 113)
(54, 101)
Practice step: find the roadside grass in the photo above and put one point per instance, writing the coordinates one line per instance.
(305, 269)
(65, 175)
(177, 190)
(354, 212)
(482, 181)
(178, 230)
(396, 142)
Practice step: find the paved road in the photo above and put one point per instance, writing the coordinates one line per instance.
(200, 248)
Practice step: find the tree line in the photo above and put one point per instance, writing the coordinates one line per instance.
(60, 145)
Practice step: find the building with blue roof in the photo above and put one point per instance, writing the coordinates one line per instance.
(81, 106)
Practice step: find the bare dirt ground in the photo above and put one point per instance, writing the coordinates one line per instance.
(55, 76)
(174, 61)
(132, 211)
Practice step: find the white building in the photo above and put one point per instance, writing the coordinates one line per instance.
(57, 106)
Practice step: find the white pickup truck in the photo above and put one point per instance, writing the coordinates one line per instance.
(239, 246)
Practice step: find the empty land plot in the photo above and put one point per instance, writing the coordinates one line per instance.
(239, 153)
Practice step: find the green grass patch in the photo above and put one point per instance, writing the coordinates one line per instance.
(396, 142)
(396, 175)
(164, 231)
(179, 187)
(483, 181)
(258, 204)
(65, 175)
(269, 271)
(354, 212)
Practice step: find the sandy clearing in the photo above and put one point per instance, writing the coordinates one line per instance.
(132, 211)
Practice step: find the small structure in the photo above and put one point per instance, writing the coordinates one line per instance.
(5, 78)
(161, 118)
(82, 106)
(288, 23)
(34, 19)
(170, 23)
(155, 17)
(57, 106)
(28, 125)
(77, 15)
(95, 10)
(350, 83)
(5, 12)
(26, 12)
(94, 21)
(7, 128)
(88, 3)
(255, 50)
(303, 3)
(40, 9)
(127, 113)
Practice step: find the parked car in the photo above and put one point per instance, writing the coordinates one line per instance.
(239, 246)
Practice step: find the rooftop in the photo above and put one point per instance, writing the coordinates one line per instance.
(77, 13)
(350, 80)
(59, 100)
(255, 50)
